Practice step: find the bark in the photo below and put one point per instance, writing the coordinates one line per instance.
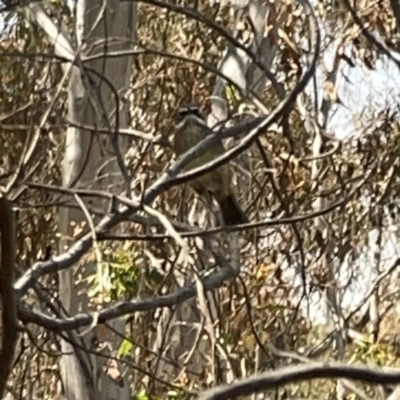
(92, 102)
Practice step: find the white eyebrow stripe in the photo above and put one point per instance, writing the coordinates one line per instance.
(182, 123)
(189, 108)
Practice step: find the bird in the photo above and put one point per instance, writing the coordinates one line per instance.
(190, 128)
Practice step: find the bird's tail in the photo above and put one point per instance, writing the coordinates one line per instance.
(232, 213)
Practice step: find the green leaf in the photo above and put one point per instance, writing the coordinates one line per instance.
(142, 396)
(125, 348)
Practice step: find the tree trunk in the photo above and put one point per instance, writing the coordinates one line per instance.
(89, 162)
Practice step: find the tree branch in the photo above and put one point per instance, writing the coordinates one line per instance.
(211, 282)
(9, 309)
(273, 379)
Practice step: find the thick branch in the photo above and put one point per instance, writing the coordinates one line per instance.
(211, 282)
(9, 309)
(273, 379)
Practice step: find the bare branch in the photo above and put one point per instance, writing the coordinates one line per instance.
(213, 281)
(62, 45)
(273, 379)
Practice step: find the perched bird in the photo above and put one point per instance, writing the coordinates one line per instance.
(191, 127)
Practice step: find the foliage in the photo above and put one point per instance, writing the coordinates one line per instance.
(287, 266)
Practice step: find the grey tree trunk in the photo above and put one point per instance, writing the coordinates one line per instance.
(90, 162)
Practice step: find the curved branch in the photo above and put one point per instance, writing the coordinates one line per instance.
(213, 281)
(273, 379)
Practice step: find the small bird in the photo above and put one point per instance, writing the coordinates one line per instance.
(191, 127)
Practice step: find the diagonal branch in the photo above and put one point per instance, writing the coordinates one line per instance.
(373, 39)
(62, 45)
(213, 281)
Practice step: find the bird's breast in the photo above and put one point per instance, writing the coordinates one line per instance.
(187, 138)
